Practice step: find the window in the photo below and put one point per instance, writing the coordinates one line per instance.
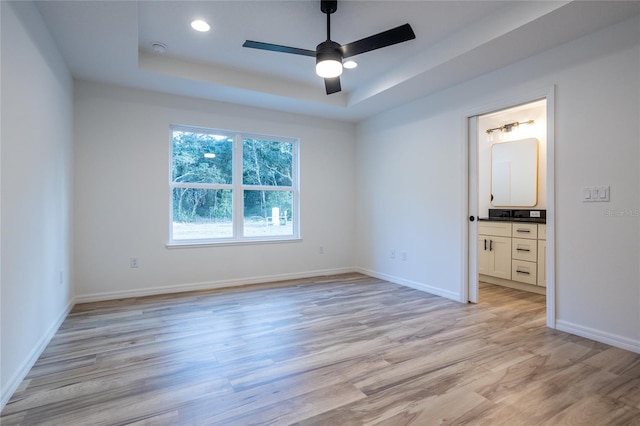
(228, 186)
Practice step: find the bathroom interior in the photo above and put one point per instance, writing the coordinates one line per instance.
(512, 197)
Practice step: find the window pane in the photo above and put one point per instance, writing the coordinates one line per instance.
(202, 213)
(202, 158)
(267, 163)
(268, 213)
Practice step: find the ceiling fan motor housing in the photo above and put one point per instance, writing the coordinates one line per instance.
(329, 59)
(328, 50)
(328, 6)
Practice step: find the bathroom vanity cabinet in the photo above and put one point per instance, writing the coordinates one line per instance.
(512, 254)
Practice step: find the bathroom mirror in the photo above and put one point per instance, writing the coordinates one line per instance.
(514, 173)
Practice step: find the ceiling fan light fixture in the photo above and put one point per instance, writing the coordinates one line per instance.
(200, 25)
(329, 54)
(328, 59)
(329, 68)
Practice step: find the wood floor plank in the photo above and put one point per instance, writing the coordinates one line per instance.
(596, 410)
(341, 350)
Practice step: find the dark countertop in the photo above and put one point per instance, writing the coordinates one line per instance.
(513, 219)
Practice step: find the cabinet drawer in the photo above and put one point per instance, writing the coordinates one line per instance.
(499, 229)
(525, 230)
(542, 231)
(523, 249)
(524, 271)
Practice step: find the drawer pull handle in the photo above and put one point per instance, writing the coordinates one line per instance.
(523, 230)
(523, 272)
(521, 249)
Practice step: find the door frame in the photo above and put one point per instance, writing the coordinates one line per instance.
(470, 193)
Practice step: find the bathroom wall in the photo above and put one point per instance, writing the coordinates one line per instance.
(536, 111)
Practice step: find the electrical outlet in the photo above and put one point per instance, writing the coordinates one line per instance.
(321, 250)
(392, 254)
(404, 256)
(61, 278)
(133, 262)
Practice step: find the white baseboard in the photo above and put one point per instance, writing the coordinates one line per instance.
(413, 284)
(209, 285)
(513, 284)
(599, 336)
(22, 371)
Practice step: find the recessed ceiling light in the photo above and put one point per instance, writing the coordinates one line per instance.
(350, 65)
(200, 25)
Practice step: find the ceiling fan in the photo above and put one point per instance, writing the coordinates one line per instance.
(329, 54)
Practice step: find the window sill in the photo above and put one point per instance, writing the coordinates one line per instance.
(194, 244)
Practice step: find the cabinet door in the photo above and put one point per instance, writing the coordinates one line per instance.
(500, 257)
(483, 255)
(542, 263)
(494, 256)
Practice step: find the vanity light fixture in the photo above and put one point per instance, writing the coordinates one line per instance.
(509, 126)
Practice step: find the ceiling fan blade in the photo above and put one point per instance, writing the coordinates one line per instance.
(332, 85)
(377, 41)
(278, 48)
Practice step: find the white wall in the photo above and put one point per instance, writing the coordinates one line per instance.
(411, 181)
(122, 196)
(37, 117)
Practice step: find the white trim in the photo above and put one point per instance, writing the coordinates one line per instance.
(413, 284)
(599, 336)
(230, 242)
(26, 365)
(551, 208)
(514, 284)
(237, 192)
(208, 285)
(470, 250)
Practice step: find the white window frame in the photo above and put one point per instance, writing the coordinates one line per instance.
(237, 187)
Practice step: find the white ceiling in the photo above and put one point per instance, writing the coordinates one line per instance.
(110, 41)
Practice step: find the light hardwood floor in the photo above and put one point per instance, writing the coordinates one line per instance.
(345, 350)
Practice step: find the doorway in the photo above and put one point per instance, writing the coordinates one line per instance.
(509, 125)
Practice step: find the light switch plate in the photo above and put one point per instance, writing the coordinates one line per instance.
(596, 194)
